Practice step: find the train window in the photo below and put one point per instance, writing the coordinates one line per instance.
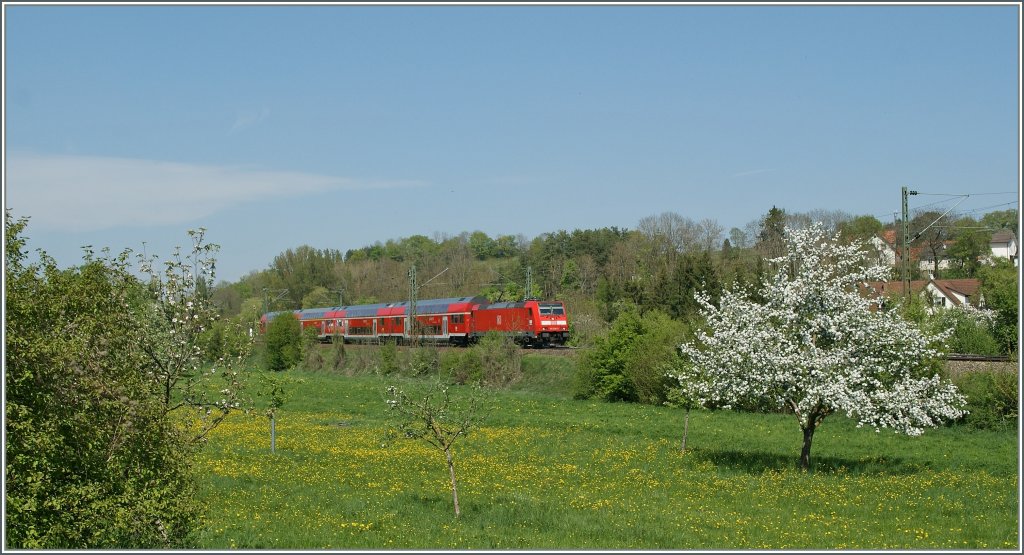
(458, 318)
(555, 309)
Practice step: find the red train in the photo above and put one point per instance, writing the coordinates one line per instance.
(456, 321)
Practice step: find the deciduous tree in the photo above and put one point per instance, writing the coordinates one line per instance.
(437, 419)
(106, 398)
(815, 347)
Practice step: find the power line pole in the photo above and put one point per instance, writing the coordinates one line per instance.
(529, 283)
(906, 243)
(412, 301)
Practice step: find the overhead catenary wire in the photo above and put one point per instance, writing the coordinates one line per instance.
(965, 194)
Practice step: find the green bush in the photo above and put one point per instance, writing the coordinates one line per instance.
(387, 355)
(424, 361)
(312, 355)
(462, 366)
(626, 364)
(999, 288)
(337, 357)
(992, 399)
(284, 343)
(495, 361)
(973, 331)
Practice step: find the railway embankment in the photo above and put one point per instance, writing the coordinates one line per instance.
(958, 365)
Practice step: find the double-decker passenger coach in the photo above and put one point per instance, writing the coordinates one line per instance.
(457, 321)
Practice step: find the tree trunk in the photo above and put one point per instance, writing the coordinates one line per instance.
(686, 426)
(273, 434)
(805, 453)
(451, 471)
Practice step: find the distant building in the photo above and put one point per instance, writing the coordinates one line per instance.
(1004, 245)
(939, 293)
(889, 251)
(955, 292)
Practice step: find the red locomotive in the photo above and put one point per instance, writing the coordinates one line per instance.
(456, 321)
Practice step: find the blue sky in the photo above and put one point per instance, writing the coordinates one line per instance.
(340, 126)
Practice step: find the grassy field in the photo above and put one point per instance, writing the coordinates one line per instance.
(545, 471)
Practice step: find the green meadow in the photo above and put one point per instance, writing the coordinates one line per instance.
(544, 471)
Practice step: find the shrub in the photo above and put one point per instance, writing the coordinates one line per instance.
(495, 361)
(973, 330)
(992, 398)
(424, 361)
(284, 343)
(388, 358)
(312, 356)
(501, 360)
(336, 358)
(462, 366)
(626, 364)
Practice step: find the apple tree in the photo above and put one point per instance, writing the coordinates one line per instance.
(816, 347)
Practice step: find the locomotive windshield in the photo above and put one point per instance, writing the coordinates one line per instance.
(552, 309)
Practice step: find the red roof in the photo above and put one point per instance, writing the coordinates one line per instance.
(883, 288)
(965, 287)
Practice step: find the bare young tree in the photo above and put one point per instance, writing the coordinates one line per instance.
(436, 419)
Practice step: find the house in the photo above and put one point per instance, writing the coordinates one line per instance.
(889, 289)
(889, 250)
(954, 292)
(927, 257)
(940, 293)
(885, 245)
(1004, 245)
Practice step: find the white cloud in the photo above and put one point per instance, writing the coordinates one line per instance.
(88, 193)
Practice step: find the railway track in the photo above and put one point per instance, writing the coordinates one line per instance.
(977, 358)
(558, 350)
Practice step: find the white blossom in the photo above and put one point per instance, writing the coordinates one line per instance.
(816, 346)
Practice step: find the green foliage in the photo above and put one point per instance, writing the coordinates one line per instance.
(105, 399)
(337, 354)
(999, 289)
(861, 227)
(388, 355)
(312, 354)
(770, 238)
(993, 399)
(284, 342)
(971, 331)
(319, 297)
(462, 366)
(625, 364)
(1001, 219)
(301, 270)
(967, 252)
(481, 245)
(424, 361)
(494, 361)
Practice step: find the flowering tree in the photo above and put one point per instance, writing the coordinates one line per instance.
(170, 333)
(816, 347)
(436, 419)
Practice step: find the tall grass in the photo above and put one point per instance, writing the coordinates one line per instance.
(548, 472)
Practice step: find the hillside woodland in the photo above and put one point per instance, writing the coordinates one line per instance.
(600, 273)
